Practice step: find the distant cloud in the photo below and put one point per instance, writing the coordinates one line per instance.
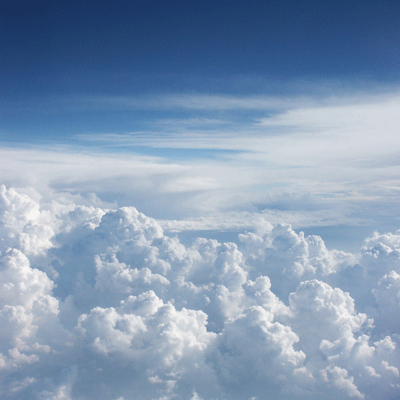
(328, 158)
(98, 303)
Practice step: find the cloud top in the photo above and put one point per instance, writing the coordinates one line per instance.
(99, 303)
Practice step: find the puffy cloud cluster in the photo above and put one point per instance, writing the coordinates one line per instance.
(102, 304)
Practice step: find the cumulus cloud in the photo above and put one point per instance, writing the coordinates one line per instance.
(23, 225)
(99, 303)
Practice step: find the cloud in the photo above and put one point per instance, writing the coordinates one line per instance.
(22, 224)
(108, 305)
(323, 160)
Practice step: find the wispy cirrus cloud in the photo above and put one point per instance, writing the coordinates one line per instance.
(345, 154)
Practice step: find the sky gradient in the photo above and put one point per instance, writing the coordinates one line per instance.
(262, 137)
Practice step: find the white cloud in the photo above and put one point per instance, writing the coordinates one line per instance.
(332, 160)
(108, 306)
(23, 224)
(339, 377)
(27, 306)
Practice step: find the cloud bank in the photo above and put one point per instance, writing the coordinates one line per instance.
(314, 160)
(99, 303)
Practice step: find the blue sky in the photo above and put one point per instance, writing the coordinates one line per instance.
(55, 56)
(172, 83)
(262, 137)
(122, 47)
(75, 47)
(179, 82)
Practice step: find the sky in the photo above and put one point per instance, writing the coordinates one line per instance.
(199, 200)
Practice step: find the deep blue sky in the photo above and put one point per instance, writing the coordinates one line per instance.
(152, 46)
(54, 49)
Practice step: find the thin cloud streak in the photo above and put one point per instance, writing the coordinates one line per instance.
(304, 94)
(345, 138)
(344, 154)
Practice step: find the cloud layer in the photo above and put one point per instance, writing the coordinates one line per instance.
(312, 160)
(99, 303)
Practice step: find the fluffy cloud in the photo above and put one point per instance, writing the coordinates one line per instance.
(102, 304)
(23, 225)
(288, 258)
